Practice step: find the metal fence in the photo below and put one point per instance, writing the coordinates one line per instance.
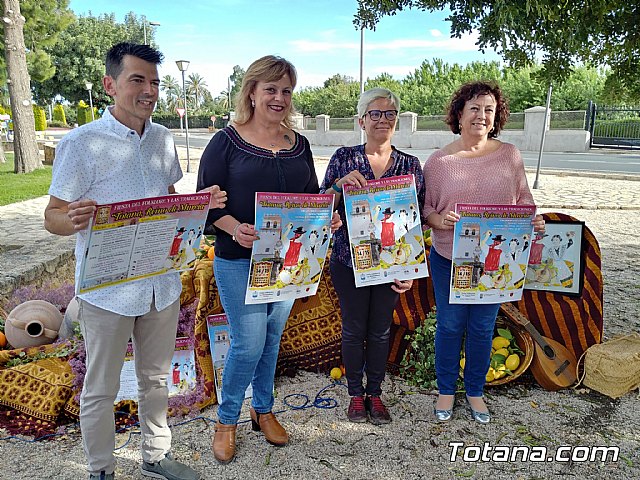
(569, 120)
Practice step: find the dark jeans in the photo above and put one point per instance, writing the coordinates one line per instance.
(367, 313)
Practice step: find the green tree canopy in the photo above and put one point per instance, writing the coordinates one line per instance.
(562, 33)
(79, 56)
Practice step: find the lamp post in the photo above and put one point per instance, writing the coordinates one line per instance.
(89, 86)
(361, 73)
(182, 66)
(144, 28)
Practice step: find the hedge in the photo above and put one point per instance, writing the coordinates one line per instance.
(171, 120)
(40, 118)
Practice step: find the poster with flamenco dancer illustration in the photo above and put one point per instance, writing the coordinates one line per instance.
(383, 221)
(555, 262)
(294, 231)
(491, 248)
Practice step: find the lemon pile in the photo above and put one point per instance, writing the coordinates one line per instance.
(505, 356)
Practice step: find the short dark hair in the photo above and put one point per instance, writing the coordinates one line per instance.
(467, 92)
(116, 54)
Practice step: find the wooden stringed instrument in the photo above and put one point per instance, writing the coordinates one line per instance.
(553, 365)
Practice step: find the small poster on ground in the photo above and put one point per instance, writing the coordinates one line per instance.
(181, 380)
(491, 247)
(383, 220)
(294, 231)
(136, 239)
(219, 342)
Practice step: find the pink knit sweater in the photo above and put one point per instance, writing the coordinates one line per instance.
(495, 178)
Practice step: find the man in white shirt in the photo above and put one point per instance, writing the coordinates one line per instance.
(122, 156)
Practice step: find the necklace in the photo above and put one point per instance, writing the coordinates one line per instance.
(287, 139)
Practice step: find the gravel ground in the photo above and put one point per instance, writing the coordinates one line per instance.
(325, 445)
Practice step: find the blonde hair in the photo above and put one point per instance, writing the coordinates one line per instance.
(266, 69)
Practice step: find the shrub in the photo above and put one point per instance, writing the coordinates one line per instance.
(70, 113)
(172, 120)
(40, 118)
(418, 366)
(59, 115)
(83, 113)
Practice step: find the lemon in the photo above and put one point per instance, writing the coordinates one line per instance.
(462, 362)
(500, 342)
(512, 362)
(336, 373)
(499, 371)
(491, 374)
(502, 351)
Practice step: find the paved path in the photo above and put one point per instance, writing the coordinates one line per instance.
(28, 251)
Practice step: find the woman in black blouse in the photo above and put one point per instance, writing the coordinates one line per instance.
(258, 153)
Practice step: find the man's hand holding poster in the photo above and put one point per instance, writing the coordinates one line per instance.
(293, 238)
(491, 247)
(141, 238)
(383, 220)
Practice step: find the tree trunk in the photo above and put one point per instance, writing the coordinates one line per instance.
(25, 146)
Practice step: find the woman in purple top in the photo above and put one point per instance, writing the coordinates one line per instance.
(367, 312)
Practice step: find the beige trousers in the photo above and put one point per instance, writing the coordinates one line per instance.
(106, 335)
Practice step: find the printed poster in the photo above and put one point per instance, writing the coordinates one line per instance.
(219, 342)
(140, 238)
(383, 220)
(181, 380)
(294, 232)
(491, 247)
(555, 263)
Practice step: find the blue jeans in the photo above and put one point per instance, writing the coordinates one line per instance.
(453, 321)
(255, 332)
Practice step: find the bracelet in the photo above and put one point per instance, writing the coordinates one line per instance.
(336, 188)
(233, 235)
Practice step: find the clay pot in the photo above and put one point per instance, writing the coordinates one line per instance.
(32, 323)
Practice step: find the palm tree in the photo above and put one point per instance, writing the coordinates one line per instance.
(172, 92)
(196, 86)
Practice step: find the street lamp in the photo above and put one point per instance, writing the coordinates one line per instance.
(144, 28)
(182, 66)
(89, 86)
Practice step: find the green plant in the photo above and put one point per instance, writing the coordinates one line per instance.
(40, 118)
(59, 115)
(64, 350)
(84, 115)
(418, 365)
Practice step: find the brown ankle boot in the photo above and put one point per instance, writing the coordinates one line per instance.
(268, 423)
(224, 442)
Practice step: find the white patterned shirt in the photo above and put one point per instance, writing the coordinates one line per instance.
(109, 162)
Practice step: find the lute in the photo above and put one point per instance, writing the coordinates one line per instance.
(553, 365)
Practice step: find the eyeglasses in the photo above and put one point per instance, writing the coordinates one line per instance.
(376, 115)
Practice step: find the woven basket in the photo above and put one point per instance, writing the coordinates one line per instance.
(524, 341)
(613, 367)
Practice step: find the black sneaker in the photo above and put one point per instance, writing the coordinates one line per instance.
(357, 413)
(378, 413)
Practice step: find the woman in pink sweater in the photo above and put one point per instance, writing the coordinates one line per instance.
(475, 168)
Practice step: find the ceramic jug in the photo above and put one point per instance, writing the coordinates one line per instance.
(32, 323)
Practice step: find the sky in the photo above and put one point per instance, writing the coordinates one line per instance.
(318, 37)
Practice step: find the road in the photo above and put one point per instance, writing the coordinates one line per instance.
(596, 160)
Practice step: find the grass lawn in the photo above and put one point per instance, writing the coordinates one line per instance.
(15, 188)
